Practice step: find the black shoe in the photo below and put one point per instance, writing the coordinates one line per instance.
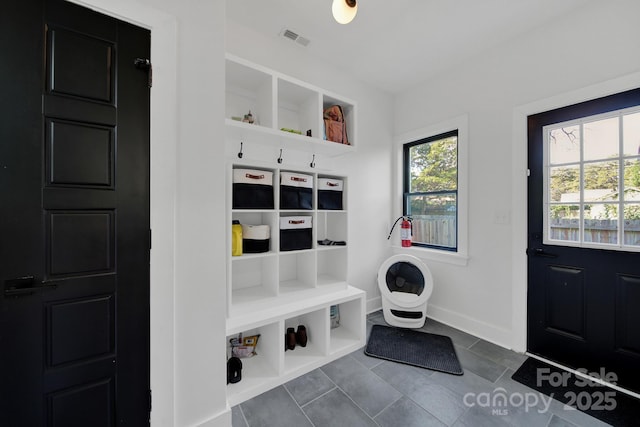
(301, 336)
(234, 370)
(290, 339)
(327, 242)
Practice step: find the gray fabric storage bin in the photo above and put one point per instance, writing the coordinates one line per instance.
(252, 189)
(330, 193)
(295, 233)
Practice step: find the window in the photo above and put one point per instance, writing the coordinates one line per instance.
(592, 181)
(431, 190)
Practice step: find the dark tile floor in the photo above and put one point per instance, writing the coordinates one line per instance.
(358, 390)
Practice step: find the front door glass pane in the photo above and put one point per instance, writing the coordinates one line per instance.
(564, 145)
(601, 139)
(564, 184)
(601, 223)
(632, 224)
(564, 222)
(632, 180)
(600, 182)
(631, 134)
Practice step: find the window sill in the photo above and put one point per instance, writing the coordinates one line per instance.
(433, 255)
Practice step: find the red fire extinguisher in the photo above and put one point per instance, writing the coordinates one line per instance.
(405, 231)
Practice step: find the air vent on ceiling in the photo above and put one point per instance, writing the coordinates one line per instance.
(292, 35)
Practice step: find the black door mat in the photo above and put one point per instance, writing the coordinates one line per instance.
(415, 348)
(601, 402)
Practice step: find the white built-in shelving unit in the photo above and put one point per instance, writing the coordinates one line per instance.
(271, 291)
(277, 101)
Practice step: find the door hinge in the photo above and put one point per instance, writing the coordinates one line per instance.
(150, 239)
(528, 172)
(145, 64)
(149, 401)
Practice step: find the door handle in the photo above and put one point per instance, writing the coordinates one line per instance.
(540, 252)
(25, 286)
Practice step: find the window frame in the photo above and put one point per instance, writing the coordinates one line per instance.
(406, 193)
(461, 123)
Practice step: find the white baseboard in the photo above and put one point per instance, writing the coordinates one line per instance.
(374, 304)
(494, 334)
(222, 419)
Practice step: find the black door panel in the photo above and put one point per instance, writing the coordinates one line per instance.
(74, 182)
(80, 65)
(582, 303)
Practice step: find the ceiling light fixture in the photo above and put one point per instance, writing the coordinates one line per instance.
(344, 10)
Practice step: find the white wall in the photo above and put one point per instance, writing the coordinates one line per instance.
(368, 169)
(547, 68)
(200, 357)
(188, 361)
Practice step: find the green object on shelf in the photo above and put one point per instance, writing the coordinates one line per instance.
(291, 130)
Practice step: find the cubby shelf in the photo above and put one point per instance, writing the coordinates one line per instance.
(273, 365)
(278, 289)
(277, 101)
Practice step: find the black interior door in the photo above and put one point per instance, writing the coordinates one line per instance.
(74, 215)
(583, 304)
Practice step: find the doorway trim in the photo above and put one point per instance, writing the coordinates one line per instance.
(519, 163)
(163, 143)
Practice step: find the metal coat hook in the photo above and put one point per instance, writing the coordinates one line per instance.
(240, 153)
(313, 162)
(280, 158)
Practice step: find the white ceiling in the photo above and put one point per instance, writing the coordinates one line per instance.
(394, 44)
